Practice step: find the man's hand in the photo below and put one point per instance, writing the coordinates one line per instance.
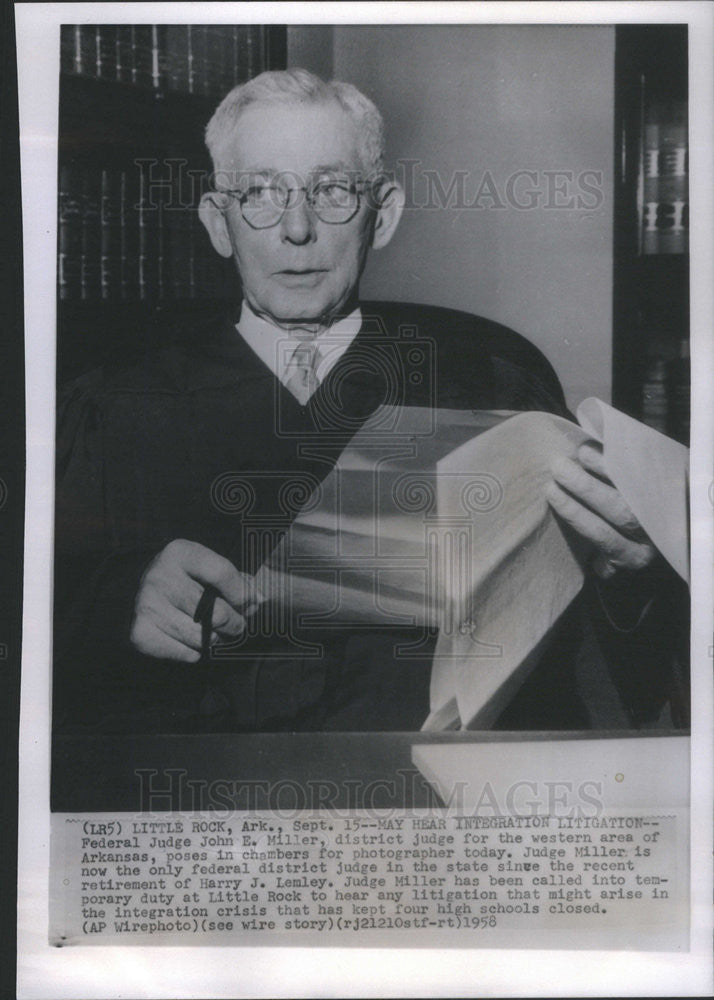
(586, 499)
(168, 596)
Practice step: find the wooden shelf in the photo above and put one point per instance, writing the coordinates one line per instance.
(99, 116)
(650, 292)
(109, 125)
(102, 118)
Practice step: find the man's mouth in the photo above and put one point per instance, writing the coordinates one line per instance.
(299, 276)
(302, 270)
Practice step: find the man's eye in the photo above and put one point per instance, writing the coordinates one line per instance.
(256, 194)
(333, 193)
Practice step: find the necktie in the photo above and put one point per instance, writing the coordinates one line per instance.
(301, 379)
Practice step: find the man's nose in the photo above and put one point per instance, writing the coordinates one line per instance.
(298, 222)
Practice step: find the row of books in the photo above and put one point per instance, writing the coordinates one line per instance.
(666, 393)
(665, 181)
(119, 241)
(195, 59)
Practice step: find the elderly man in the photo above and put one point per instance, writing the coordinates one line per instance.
(300, 198)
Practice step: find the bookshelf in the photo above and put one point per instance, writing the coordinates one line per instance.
(651, 252)
(134, 264)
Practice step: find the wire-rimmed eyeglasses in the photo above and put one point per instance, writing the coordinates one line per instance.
(333, 200)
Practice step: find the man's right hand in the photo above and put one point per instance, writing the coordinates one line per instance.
(168, 596)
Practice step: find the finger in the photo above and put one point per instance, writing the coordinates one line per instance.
(177, 625)
(603, 567)
(185, 595)
(166, 579)
(226, 621)
(600, 497)
(624, 553)
(183, 592)
(147, 638)
(206, 566)
(591, 458)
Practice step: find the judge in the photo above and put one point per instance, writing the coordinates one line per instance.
(273, 393)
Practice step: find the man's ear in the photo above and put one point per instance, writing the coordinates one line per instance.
(210, 212)
(391, 205)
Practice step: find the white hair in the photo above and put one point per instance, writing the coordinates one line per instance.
(293, 86)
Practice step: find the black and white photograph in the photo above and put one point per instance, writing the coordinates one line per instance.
(369, 508)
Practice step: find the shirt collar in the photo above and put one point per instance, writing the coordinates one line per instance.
(276, 346)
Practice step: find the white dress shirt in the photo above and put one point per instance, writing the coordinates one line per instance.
(276, 346)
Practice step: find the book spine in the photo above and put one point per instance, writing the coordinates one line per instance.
(161, 277)
(178, 57)
(67, 48)
(198, 78)
(159, 57)
(666, 202)
(142, 64)
(124, 58)
(650, 188)
(111, 236)
(240, 53)
(148, 236)
(107, 52)
(209, 59)
(69, 232)
(86, 51)
(91, 235)
(679, 393)
(226, 76)
(654, 395)
(253, 38)
(77, 33)
(128, 236)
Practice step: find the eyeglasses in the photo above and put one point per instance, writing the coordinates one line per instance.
(334, 201)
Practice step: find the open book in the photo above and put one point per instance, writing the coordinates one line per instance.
(438, 518)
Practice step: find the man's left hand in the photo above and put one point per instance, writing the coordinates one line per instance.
(584, 498)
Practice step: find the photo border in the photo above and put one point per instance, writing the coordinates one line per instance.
(169, 972)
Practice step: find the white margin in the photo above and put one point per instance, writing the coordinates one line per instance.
(46, 972)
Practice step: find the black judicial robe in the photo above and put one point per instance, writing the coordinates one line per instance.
(178, 443)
